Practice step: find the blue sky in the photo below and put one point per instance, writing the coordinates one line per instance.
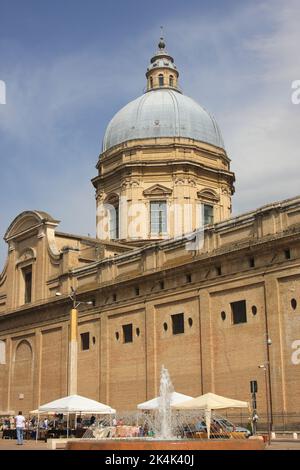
(70, 65)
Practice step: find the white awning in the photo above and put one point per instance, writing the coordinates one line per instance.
(75, 404)
(210, 401)
(154, 403)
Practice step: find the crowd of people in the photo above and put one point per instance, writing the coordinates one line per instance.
(17, 427)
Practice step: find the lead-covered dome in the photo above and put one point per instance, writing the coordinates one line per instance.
(162, 112)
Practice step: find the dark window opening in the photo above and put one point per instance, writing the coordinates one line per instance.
(219, 270)
(151, 82)
(223, 315)
(171, 80)
(188, 278)
(94, 340)
(254, 309)
(190, 322)
(117, 335)
(137, 291)
(85, 341)
(161, 80)
(127, 333)
(161, 285)
(27, 274)
(114, 297)
(294, 304)
(252, 262)
(239, 314)
(177, 323)
(208, 214)
(137, 331)
(165, 326)
(287, 254)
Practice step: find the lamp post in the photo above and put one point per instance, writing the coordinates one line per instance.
(264, 367)
(73, 342)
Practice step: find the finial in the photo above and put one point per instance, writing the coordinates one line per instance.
(161, 43)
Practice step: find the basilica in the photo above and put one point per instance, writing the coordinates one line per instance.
(172, 278)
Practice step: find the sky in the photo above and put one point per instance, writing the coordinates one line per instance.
(70, 66)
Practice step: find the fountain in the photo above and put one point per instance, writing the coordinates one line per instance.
(164, 410)
(163, 430)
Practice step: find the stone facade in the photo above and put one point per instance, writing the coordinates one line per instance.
(254, 257)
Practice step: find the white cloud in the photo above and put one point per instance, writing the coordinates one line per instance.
(238, 65)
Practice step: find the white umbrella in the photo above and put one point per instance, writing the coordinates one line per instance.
(208, 402)
(75, 404)
(155, 402)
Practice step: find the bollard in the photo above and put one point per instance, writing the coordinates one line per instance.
(273, 435)
(295, 435)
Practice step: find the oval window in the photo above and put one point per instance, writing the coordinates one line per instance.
(294, 304)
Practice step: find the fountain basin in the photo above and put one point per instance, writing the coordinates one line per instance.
(174, 445)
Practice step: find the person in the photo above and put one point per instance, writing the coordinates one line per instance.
(20, 425)
(92, 420)
(45, 423)
(254, 422)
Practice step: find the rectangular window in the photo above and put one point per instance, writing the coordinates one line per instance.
(188, 278)
(239, 313)
(85, 341)
(177, 323)
(114, 222)
(127, 333)
(27, 276)
(208, 214)
(252, 262)
(158, 217)
(287, 254)
(137, 291)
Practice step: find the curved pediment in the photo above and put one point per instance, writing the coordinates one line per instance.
(28, 254)
(208, 195)
(26, 221)
(157, 190)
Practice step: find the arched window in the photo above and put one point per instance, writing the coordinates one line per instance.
(171, 80)
(161, 79)
(23, 351)
(151, 82)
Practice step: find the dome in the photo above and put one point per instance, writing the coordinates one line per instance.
(163, 112)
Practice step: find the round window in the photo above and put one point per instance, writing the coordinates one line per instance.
(190, 321)
(254, 309)
(165, 326)
(117, 335)
(223, 315)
